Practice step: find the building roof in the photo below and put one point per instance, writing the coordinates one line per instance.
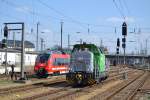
(28, 44)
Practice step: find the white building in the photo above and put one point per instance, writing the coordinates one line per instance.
(14, 57)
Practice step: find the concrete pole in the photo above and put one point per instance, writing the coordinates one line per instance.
(22, 54)
(88, 29)
(37, 37)
(81, 41)
(68, 41)
(124, 54)
(61, 34)
(14, 39)
(118, 60)
(42, 43)
(6, 71)
(146, 47)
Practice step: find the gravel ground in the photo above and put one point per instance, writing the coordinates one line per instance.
(84, 95)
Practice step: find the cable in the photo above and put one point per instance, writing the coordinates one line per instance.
(60, 13)
(30, 12)
(122, 14)
(71, 19)
(121, 5)
(126, 6)
(68, 19)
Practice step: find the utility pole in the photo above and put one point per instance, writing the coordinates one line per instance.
(42, 43)
(37, 36)
(146, 47)
(22, 54)
(6, 70)
(5, 45)
(81, 41)
(61, 34)
(88, 29)
(68, 41)
(101, 44)
(44, 46)
(14, 40)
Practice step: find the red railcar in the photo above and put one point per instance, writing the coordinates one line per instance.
(51, 63)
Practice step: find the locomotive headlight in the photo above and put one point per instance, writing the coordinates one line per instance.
(79, 76)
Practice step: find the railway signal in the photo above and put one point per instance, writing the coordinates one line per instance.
(4, 44)
(118, 42)
(124, 29)
(6, 31)
(117, 50)
(124, 34)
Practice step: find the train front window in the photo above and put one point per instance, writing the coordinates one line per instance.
(43, 58)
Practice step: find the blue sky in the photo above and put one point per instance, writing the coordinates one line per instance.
(101, 15)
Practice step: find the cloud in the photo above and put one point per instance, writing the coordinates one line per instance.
(118, 19)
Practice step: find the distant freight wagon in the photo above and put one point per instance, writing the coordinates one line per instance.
(50, 63)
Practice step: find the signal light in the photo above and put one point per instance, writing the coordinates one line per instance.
(117, 50)
(124, 29)
(5, 31)
(123, 45)
(118, 42)
(4, 44)
(123, 40)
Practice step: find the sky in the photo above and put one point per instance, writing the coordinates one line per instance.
(93, 21)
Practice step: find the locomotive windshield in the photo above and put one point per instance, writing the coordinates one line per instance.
(82, 61)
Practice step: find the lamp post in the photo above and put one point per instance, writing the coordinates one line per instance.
(61, 41)
(37, 36)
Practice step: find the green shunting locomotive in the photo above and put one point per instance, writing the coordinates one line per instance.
(87, 65)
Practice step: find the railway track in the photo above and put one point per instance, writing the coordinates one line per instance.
(50, 92)
(85, 91)
(68, 92)
(128, 91)
(64, 92)
(123, 91)
(10, 90)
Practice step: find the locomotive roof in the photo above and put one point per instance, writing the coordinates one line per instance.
(92, 47)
